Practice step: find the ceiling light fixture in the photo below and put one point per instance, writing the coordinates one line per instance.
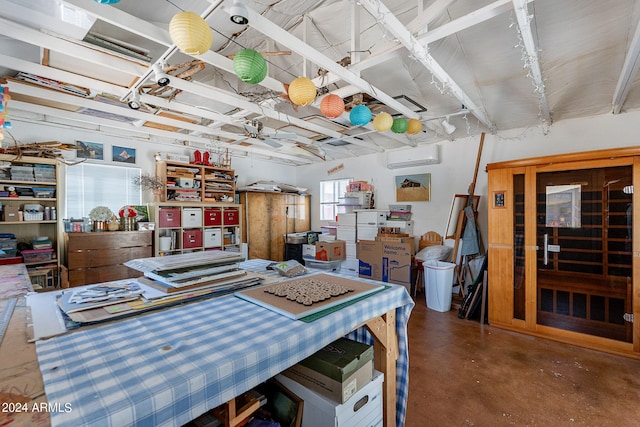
(448, 127)
(238, 13)
(162, 78)
(134, 101)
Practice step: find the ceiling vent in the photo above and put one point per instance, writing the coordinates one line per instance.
(421, 156)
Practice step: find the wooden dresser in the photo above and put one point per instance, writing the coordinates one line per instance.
(99, 257)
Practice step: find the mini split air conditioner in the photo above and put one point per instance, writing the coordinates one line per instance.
(427, 155)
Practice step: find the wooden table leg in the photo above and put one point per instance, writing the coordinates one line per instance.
(385, 354)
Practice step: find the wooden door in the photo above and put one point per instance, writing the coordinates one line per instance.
(563, 251)
(584, 239)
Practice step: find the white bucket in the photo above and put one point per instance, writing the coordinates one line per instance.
(438, 284)
(165, 243)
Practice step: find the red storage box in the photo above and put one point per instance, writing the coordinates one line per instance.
(212, 216)
(231, 216)
(169, 217)
(191, 239)
(37, 255)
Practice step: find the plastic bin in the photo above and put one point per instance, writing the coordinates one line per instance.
(438, 284)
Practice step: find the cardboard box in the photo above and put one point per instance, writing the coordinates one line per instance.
(386, 261)
(11, 213)
(363, 408)
(337, 371)
(330, 251)
(309, 251)
(399, 239)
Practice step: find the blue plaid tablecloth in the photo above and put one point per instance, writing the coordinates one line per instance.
(168, 367)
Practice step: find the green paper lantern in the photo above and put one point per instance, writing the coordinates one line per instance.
(250, 66)
(400, 125)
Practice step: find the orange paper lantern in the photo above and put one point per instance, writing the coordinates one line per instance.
(302, 91)
(414, 126)
(331, 106)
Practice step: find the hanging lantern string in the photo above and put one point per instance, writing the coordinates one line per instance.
(232, 40)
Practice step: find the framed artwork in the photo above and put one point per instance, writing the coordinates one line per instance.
(286, 407)
(413, 188)
(123, 154)
(90, 150)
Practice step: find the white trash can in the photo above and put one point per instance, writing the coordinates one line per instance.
(438, 284)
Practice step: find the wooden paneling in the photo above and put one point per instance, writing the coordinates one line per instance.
(98, 257)
(575, 285)
(268, 217)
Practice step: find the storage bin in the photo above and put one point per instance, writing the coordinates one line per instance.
(231, 216)
(192, 217)
(212, 237)
(37, 255)
(373, 218)
(191, 239)
(212, 216)
(323, 265)
(43, 192)
(8, 253)
(8, 244)
(33, 216)
(364, 408)
(169, 217)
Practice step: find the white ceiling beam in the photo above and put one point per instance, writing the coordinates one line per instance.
(524, 23)
(381, 13)
(159, 35)
(233, 99)
(94, 56)
(100, 59)
(114, 124)
(628, 72)
(268, 28)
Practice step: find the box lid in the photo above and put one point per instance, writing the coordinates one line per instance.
(340, 359)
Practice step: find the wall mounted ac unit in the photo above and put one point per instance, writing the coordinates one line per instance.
(420, 156)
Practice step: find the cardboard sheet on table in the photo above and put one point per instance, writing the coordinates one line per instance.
(295, 310)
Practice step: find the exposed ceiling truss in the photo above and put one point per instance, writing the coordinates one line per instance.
(436, 39)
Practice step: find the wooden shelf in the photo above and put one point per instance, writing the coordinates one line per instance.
(203, 177)
(195, 227)
(25, 231)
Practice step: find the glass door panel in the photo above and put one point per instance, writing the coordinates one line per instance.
(583, 221)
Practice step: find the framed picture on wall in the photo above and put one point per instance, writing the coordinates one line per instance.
(89, 150)
(123, 154)
(413, 188)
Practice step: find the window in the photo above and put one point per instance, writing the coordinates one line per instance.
(330, 192)
(89, 185)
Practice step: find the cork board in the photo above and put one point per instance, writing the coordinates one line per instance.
(295, 310)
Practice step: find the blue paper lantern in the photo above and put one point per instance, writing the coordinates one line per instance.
(360, 115)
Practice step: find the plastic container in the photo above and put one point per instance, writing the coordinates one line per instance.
(438, 284)
(322, 265)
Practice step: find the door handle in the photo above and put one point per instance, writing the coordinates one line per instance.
(545, 249)
(548, 248)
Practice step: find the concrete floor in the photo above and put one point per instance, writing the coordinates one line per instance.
(462, 373)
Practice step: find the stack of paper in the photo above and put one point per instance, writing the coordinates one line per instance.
(178, 273)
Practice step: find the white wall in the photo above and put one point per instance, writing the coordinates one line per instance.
(451, 176)
(247, 168)
(454, 173)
